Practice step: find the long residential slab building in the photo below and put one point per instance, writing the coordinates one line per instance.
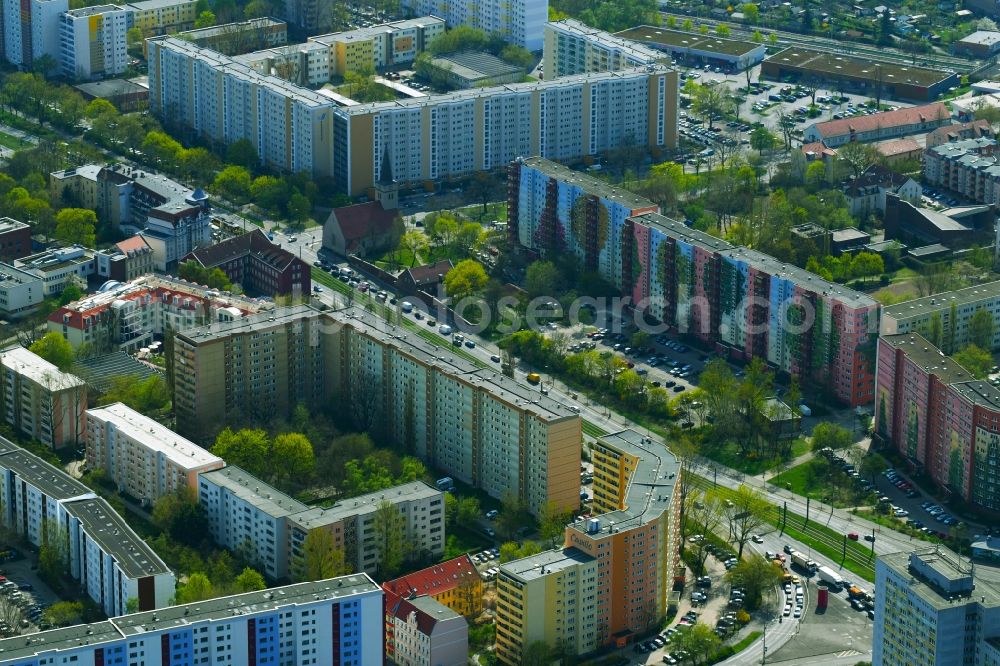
(41, 400)
(746, 303)
(142, 457)
(112, 564)
(335, 622)
(247, 515)
(613, 577)
(429, 138)
(479, 426)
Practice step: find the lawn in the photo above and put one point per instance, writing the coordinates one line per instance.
(816, 478)
(730, 455)
(12, 142)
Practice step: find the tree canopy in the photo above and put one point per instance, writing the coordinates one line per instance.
(55, 349)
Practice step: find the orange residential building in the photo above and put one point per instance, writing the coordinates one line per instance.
(454, 583)
(633, 542)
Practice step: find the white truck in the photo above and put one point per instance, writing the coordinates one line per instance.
(831, 577)
(801, 560)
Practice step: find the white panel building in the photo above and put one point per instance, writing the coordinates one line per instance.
(333, 622)
(31, 29)
(93, 41)
(517, 21)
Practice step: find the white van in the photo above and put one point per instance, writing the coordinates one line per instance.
(444, 329)
(406, 307)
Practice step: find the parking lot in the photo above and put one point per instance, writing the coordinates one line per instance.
(24, 598)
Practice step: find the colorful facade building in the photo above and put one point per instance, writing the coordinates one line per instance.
(611, 580)
(954, 310)
(455, 583)
(92, 41)
(941, 419)
(745, 303)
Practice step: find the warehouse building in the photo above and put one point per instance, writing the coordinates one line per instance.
(692, 49)
(858, 75)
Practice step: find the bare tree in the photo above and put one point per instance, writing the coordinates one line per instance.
(704, 510)
(746, 515)
(10, 615)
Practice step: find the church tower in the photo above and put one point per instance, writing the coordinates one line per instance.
(386, 189)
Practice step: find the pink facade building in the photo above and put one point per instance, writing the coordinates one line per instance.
(945, 422)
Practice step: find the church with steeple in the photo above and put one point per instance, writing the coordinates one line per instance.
(367, 229)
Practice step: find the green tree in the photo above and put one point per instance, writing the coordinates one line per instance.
(935, 329)
(389, 529)
(756, 575)
(181, 517)
(295, 453)
(150, 396)
(53, 554)
(816, 175)
(510, 550)
(467, 278)
(247, 448)
(64, 613)
(269, 193)
(722, 30)
(872, 465)
(55, 349)
(712, 102)
(233, 182)
(981, 328)
(213, 278)
(552, 524)
(543, 278)
(77, 226)
(242, 153)
(249, 580)
(830, 435)
(197, 588)
(367, 476)
(751, 12)
(206, 19)
(856, 157)
(867, 264)
(976, 360)
(746, 515)
(299, 207)
(415, 244)
(514, 514)
(321, 558)
(762, 140)
(163, 149)
(700, 641)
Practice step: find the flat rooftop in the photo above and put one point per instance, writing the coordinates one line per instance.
(49, 479)
(614, 42)
(675, 39)
(111, 88)
(177, 617)
(253, 491)
(542, 564)
(515, 393)
(475, 65)
(159, 4)
(382, 29)
(93, 11)
(110, 531)
(230, 28)
(262, 601)
(830, 64)
(32, 366)
(920, 307)
(10, 224)
(588, 183)
(650, 488)
(949, 567)
(155, 436)
(680, 231)
(29, 646)
(924, 354)
(364, 504)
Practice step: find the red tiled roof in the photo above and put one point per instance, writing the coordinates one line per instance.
(363, 220)
(818, 148)
(428, 273)
(909, 116)
(254, 243)
(973, 129)
(898, 147)
(134, 244)
(433, 580)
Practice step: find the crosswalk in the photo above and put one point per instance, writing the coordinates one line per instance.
(848, 653)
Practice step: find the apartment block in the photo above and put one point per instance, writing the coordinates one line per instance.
(548, 597)
(446, 136)
(15, 239)
(259, 266)
(40, 400)
(424, 632)
(932, 607)
(31, 30)
(21, 292)
(352, 524)
(133, 315)
(242, 37)
(161, 17)
(953, 308)
(92, 42)
(226, 100)
(59, 267)
(336, 622)
(111, 563)
(248, 515)
(747, 304)
(144, 458)
(305, 64)
(520, 22)
(941, 419)
(126, 260)
(380, 46)
(455, 583)
(476, 425)
(573, 47)
(968, 167)
(632, 541)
